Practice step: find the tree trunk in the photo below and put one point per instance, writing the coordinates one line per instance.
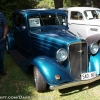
(88, 3)
(96, 3)
(58, 3)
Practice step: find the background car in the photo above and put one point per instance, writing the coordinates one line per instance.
(84, 22)
(41, 42)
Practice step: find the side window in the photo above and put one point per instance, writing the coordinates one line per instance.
(98, 12)
(19, 20)
(76, 15)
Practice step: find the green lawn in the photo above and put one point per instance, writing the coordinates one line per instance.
(20, 85)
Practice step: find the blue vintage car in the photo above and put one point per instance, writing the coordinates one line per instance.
(40, 41)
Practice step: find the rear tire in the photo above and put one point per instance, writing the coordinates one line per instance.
(39, 82)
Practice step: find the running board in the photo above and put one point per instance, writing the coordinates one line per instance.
(22, 61)
(17, 56)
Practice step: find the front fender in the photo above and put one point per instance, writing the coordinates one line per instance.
(94, 63)
(49, 68)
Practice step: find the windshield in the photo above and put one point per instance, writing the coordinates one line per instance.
(46, 19)
(92, 14)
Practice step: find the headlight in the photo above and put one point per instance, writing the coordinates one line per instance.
(94, 48)
(61, 55)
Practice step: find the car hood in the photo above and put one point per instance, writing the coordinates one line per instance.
(95, 22)
(58, 34)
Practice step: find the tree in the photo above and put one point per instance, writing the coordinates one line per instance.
(96, 3)
(46, 4)
(58, 3)
(9, 6)
(88, 3)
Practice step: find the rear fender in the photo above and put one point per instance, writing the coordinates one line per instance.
(10, 41)
(49, 68)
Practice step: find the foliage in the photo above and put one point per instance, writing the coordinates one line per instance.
(70, 3)
(46, 4)
(94, 3)
(9, 6)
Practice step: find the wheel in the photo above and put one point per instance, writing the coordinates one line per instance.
(39, 82)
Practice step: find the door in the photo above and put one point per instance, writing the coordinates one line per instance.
(76, 23)
(21, 36)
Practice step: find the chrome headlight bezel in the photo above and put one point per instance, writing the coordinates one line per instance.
(61, 55)
(93, 48)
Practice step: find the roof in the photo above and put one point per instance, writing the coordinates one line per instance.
(31, 11)
(79, 8)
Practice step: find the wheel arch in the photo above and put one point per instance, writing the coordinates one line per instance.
(49, 68)
(10, 42)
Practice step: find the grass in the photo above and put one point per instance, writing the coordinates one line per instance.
(19, 85)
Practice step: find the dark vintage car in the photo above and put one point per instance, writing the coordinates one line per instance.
(40, 41)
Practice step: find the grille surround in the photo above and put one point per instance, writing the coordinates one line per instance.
(78, 59)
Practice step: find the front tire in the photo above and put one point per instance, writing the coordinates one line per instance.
(40, 84)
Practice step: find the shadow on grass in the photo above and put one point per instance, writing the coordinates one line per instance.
(18, 83)
(15, 83)
(76, 89)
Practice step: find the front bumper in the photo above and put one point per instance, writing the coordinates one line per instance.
(72, 84)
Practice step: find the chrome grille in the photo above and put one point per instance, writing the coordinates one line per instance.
(78, 59)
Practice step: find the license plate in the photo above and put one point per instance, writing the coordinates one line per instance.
(86, 76)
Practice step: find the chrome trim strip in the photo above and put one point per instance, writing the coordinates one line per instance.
(71, 84)
(76, 23)
(81, 59)
(83, 24)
